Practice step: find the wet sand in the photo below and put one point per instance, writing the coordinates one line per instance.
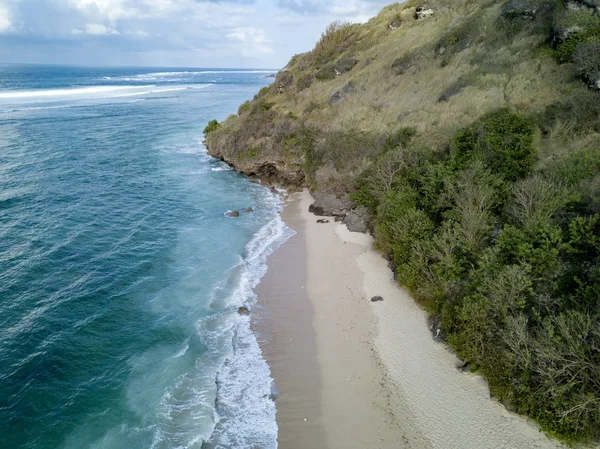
(355, 374)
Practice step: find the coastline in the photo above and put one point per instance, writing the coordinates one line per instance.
(352, 373)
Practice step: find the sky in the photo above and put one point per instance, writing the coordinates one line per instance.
(169, 33)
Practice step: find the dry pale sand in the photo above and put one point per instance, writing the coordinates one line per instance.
(356, 374)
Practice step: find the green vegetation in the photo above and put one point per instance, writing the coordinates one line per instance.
(587, 60)
(335, 36)
(508, 258)
(473, 137)
(212, 126)
(244, 107)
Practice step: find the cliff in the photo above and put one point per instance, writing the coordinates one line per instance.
(469, 130)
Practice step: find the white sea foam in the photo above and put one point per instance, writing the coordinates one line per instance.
(245, 412)
(170, 76)
(91, 92)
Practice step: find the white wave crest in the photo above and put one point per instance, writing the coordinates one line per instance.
(90, 92)
(165, 76)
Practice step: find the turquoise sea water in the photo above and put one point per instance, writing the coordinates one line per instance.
(120, 275)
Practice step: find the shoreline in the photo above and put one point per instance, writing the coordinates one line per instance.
(351, 373)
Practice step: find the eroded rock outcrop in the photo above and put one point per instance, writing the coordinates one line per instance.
(344, 65)
(357, 220)
(422, 12)
(329, 205)
(521, 9)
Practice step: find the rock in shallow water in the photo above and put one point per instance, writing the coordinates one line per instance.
(244, 311)
(233, 214)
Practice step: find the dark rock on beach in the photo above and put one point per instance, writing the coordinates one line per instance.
(322, 221)
(330, 205)
(376, 299)
(357, 220)
(435, 326)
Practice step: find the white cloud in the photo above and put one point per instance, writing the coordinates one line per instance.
(95, 29)
(141, 34)
(5, 22)
(254, 41)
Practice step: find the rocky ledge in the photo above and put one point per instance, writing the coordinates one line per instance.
(271, 171)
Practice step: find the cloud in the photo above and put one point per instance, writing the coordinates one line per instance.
(253, 41)
(5, 22)
(227, 33)
(108, 9)
(302, 6)
(355, 10)
(95, 29)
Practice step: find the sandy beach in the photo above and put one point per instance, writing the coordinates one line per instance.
(352, 373)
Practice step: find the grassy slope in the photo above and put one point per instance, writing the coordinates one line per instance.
(499, 68)
(478, 155)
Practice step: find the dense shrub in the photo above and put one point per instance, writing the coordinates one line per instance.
(244, 107)
(587, 61)
(510, 261)
(502, 140)
(335, 40)
(213, 125)
(566, 49)
(580, 110)
(305, 81)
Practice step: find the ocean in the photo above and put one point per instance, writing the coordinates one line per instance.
(120, 272)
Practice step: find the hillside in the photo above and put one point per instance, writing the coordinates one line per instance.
(470, 132)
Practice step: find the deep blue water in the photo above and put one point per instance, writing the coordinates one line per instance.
(120, 275)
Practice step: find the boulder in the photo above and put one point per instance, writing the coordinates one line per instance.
(233, 214)
(357, 220)
(395, 23)
(422, 12)
(450, 92)
(344, 65)
(336, 97)
(521, 9)
(327, 204)
(322, 221)
(349, 88)
(243, 310)
(284, 79)
(249, 210)
(435, 326)
(376, 299)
